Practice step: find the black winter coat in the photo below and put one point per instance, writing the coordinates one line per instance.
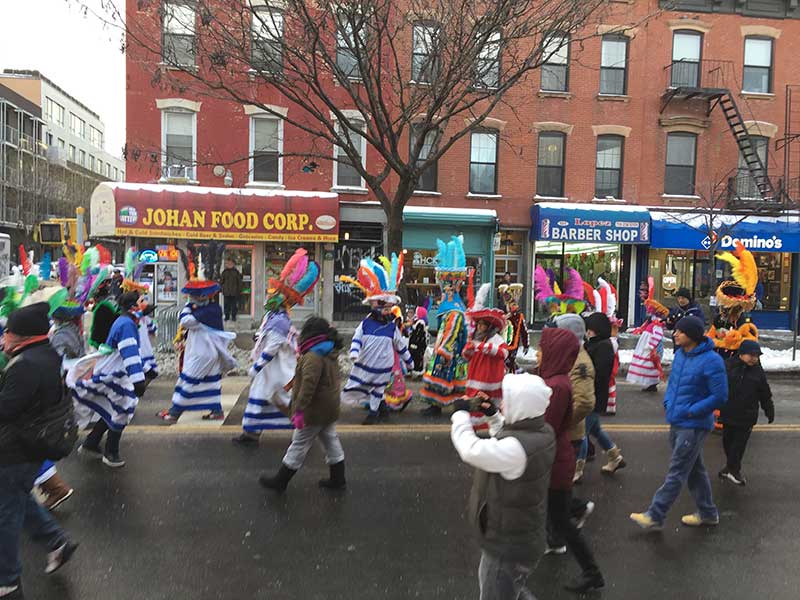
(747, 389)
(31, 382)
(601, 352)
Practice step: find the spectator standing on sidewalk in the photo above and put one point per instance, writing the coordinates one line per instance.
(29, 387)
(697, 386)
(507, 507)
(232, 283)
(747, 389)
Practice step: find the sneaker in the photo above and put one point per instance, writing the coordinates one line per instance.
(11, 592)
(587, 511)
(555, 550)
(90, 451)
(695, 520)
(214, 416)
(737, 479)
(652, 388)
(56, 500)
(113, 460)
(59, 557)
(587, 582)
(167, 417)
(723, 474)
(645, 521)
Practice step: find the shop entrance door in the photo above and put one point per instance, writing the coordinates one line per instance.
(242, 257)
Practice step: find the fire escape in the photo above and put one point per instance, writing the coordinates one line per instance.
(707, 81)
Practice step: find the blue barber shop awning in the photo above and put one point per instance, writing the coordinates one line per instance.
(589, 223)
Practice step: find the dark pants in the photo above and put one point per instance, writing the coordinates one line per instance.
(503, 580)
(231, 307)
(96, 434)
(19, 510)
(734, 440)
(559, 518)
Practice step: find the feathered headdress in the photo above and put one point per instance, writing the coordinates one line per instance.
(592, 297)
(297, 279)
(543, 286)
(197, 285)
(511, 293)
(379, 280)
(478, 311)
(572, 296)
(451, 263)
(741, 291)
(653, 306)
(133, 270)
(608, 300)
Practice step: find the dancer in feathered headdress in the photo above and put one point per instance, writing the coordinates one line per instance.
(377, 337)
(274, 355)
(446, 376)
(734, 298)
(486, 350)
(205, 341)
(397, 394)
(546, 293)
(518, 330)
(645, 368)
(147, 325)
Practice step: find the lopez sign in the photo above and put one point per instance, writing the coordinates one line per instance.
(226, 214)
(567, 224)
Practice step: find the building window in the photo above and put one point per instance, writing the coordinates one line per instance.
(681, 157)
(116, 174)
(555, 57)
(347, 45)
(686, 52)
(614, 65)
(550, 169)
(72, 151)
(346, 174)
(179, 143)
(48, 138)
(487, 64)
(427, 181)
(266, 135)
(483, 162)
(757, 65)
(77, 125)
(267, 41)
(91, 163)
(82, 158)
(61, 144)
(425, 61)
(745, 186)
(178, 33)
(53, 112)
(608, 172)
(95, 137)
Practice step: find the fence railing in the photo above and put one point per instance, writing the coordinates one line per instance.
(167, 320)
(717, 74)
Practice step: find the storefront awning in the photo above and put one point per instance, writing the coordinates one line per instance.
(435, 214)
(190, 212)
(558, 222)
(689, 231)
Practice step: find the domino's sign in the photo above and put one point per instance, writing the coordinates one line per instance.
(591, 225)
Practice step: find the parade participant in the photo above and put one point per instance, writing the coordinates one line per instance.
(697, 386)
(115, 384)
(512, 471)
(418, 340)
(205, 354)
(607, 297)
(446, 375)
(315, 407)
(274, 355)
(686, 307)
(516, 320)
(486, 350)
(377, 337)
(147, 326)
(397, 395)
(747, 389)
(645, 368)
(546, 292)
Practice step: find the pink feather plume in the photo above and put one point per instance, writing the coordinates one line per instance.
(574, 285)
(291, 264)
(299, 271)
(541, 284)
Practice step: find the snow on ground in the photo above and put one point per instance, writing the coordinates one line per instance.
(771, 360)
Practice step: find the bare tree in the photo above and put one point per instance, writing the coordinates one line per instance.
(410, 78)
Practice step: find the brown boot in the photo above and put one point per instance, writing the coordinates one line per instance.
(615, 461)
(56, 490)
(580, 465)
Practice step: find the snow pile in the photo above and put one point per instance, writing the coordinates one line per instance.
(771, 360)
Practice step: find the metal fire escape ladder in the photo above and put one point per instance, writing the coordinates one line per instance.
(758, 170)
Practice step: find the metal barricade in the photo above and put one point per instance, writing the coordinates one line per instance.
(167, 320)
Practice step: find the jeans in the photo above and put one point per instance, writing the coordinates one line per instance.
(503, 580)
(685, 466)
(734, 440)
(562, 526)
(112, 438)
(18, 509)
(303, 439)
(231, 307)
(595, 429)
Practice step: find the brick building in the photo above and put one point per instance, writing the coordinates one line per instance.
(656, 110)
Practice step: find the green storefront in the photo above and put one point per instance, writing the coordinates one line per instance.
(422, 227)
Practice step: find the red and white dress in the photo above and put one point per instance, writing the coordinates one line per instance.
(486, 367)
(644, 368)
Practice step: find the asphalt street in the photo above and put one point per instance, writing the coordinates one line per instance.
(186, 519)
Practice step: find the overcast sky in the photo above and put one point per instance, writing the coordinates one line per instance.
(76, 52)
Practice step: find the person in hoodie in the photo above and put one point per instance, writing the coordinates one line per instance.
(601, 351)
(747, 389)
(686, 307)
(697, 386)
(314, 406)
(556, 356)
(507, 506)
(418, 340)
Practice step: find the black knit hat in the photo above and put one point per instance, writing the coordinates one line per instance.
(128, 300)
(692, 327)
(684, 293)
(30, 320)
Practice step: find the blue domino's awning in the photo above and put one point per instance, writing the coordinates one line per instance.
(689, 231)
(589, 223)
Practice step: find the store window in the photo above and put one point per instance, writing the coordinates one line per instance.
(356, 241)
(508, 258)
(278, 254)
(555, 68)
(242, 257)
(421, 277)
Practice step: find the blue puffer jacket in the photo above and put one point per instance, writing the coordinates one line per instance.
(698, 385)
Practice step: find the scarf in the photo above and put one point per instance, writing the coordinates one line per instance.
(306, 345)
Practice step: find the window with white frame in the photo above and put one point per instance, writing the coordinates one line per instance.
(425, 59)
(555, 57)
(608, 169)
(687, 47)
(77, 125)
(347, 43)
(487, 64)
(95, 136)
(757, 65)
(177, 34)
(427, 181)
(345, 174)
(267, 40)
(550, 164)
(613, 65)
(61, 143)
(266, 139)
(82, 158)
(680, 164)
(91, 166)
(72, 151)
(483, 162)
(179, 143)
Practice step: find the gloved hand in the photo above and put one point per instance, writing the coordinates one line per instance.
(298, 420)
(139, 388)
(461, 404)
(488, 409)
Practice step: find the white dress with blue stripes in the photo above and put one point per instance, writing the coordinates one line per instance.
(205, 359)
(109, 391)
(147, 327)
(274, 361)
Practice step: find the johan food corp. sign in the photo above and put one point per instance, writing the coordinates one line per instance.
(227, 216)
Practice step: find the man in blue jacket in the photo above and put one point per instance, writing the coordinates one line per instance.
(698, 385)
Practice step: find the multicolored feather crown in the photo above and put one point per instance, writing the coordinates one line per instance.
(511, 293)
(197, 285)
(653, 306)
(740, 292)
(451, 263)
(133, 271)
(296, 281)
(379, 279)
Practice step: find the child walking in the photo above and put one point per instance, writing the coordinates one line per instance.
(314, 407)
(747, 389)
